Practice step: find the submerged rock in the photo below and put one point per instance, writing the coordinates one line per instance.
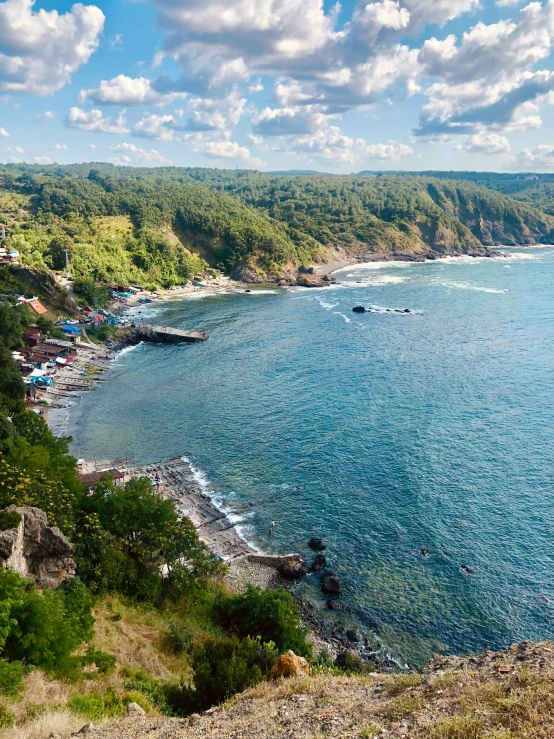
(317, 544)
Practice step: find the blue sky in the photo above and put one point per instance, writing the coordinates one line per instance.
(279, 84)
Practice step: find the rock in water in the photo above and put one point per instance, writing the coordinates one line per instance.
(289, 665)
(319, 563)
(330, 583)
(317, 544)
(358, 309)
(293, 569)
(34, 549)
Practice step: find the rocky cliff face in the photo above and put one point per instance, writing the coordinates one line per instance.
(34, 549)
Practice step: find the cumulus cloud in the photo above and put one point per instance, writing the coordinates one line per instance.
(39, 51)
(222, 149)
(486, 79)
(208, 114)
(131, 154)
(540, 158)
(4, 133)
(439, 11)
(93, 120)
(332, 144)
(16, 150)
(48, 115)
(152, 126)
(43, 160)
(60, 147)
(127, 91)
(486, 143)
(291, 120)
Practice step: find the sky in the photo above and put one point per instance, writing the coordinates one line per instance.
(279, 84)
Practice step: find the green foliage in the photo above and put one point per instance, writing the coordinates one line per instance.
(147, 685)
(7, 719)
(43, 629)
(9, 520)
(98, 706)
(11, 678)
(222, 667)
(104, 662)
(271, 615)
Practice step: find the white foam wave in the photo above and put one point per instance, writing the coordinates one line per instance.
(327, 306)
(337, 313)
(519, 255)
(470, 286)
(128, 349)
(397, 311)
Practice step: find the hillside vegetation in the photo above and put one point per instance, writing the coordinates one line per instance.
(158, 227)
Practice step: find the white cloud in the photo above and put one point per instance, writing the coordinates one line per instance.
(439, 11)
(223, 150)
(288, 120)
(48, 115)
(39, 51)
(208, 114)
(116, 43)
(333, 145)
(132, 153)
(92, 146)
(507, 3)
(15, 150)
(93, 120)
(152, 126)
(486, 143)
(127, 91)
(540, 158)
(60, 147)
(43, 160)
(4, 133)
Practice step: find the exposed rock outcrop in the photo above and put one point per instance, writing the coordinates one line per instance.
(34, 549)
(290, 665)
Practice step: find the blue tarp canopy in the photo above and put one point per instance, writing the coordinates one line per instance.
(74, 330)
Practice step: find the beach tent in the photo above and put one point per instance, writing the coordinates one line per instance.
(71, 330)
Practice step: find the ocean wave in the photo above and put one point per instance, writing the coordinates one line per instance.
(338, 313)
(327, 306)
(519, 255)
(398, 311)
(128, 349)
(470, 286)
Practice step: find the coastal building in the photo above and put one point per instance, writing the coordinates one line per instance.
(90, 479)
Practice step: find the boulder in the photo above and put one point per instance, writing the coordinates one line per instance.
(133, 709)
(290, 665)
(352, 635)
(328, 278)
(317, 544)
(310, 281)
(319, 563)
(334, 605)
(330, 584)
(294, 569)
(358, 309)
(34, 549)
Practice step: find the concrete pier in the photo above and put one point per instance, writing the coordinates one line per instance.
(167, 335)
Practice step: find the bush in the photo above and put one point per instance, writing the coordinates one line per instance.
(222, 667)
(11, 678)
(271, 615)
(144, 683)
(7, 719)
(9, 520)
(105, 663)
(97, 706)
(180, 636)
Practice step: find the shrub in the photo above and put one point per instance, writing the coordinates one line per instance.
(271, 615)
(404, 705)
(180, 636)
(105, 663)
(147, 685)
(458, 727)
(403, 682)
(9, 520)
(96, 706)
(7, 719)
(11, 678)
(222, 667)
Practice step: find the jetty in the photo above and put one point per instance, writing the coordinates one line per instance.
(165, 334)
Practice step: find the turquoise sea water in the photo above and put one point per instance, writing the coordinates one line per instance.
(382, 433)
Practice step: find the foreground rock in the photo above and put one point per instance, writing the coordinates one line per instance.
(32, 548)
(290, 665)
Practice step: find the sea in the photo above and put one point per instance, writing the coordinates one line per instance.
(418, 445)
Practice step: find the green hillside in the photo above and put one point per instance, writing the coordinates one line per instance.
(158, 227)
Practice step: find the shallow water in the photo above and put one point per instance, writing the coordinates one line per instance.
(382, 432)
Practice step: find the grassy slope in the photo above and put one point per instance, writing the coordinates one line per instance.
(456, 698)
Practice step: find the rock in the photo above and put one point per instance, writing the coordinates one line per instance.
(245, 273)
(466, 569)
(328, 278)
(317, 544)
(86, 728)
(425, 552)
(294, 569)
(352, 635)
(407, 310)
(306, 270)
(334, 605)
(310, 281)
(330, 583)
(289, 665)
(133, 709)
(34, 549)
(319, 563)
(358, 309)
(194, 718)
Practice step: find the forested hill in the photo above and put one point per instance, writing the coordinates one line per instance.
(160, 226)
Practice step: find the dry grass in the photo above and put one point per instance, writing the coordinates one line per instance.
(113, 225)
(57, 722)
